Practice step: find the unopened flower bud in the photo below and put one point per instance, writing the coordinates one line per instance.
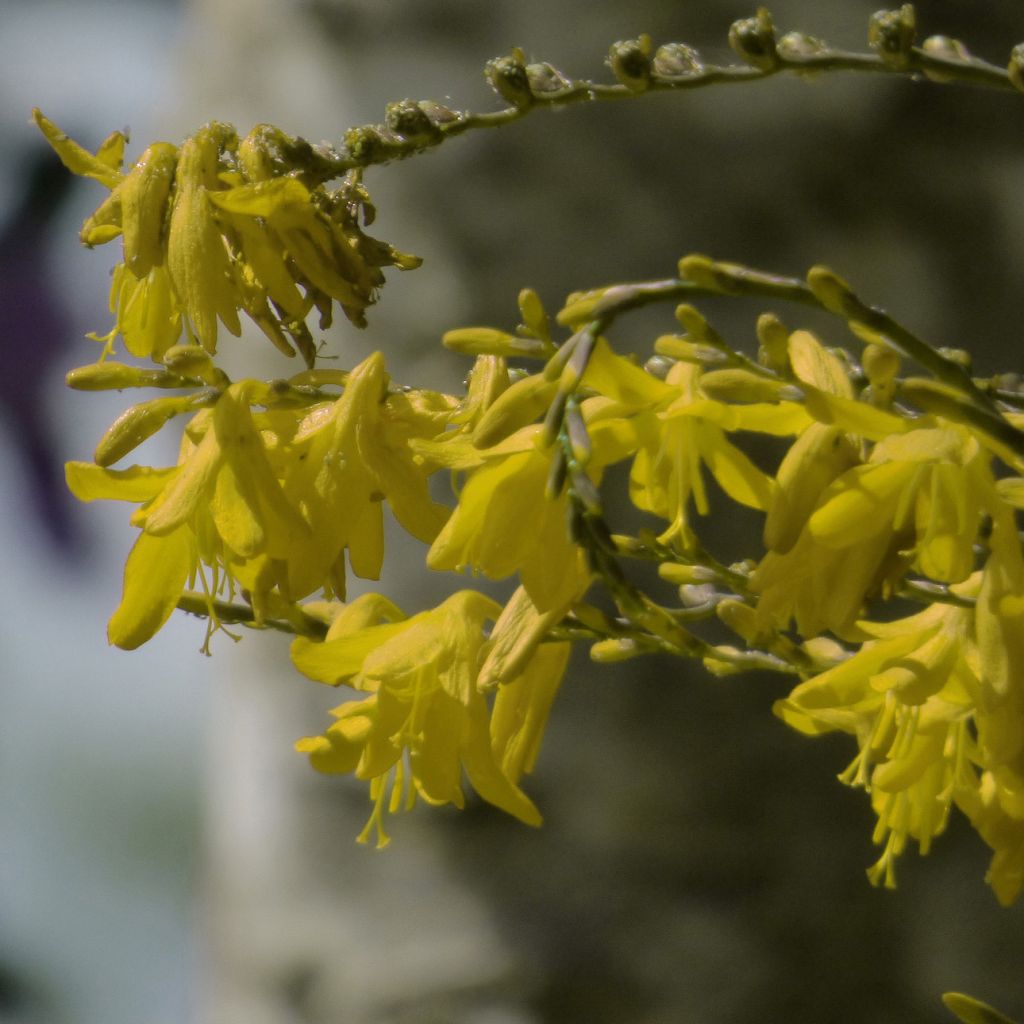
(891, 36)
(579, 439)
(753, 39)
(535, 319)
(614, 649)
(959, 356)
(1015, 69)
(947, 49)
(630, 62)
(799, 45)
(546, 81)
(881, 364)
(832, 291)
(111, 376)
(366, 144)
(507, 77)
(438, 112)
(658, 366)
(736, 384)
(702, 272)
(477, 341)
(685, 575)
(676, 60)
(192, 361)
(135, 425)
(407, 119)
(773, 339)
(739, 617)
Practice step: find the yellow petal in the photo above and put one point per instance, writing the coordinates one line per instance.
(73, 156)
(154, 577)
(89, 482)
(860, 504)
(814, 364)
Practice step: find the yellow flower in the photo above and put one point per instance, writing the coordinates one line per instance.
(221, 507)
(995, 812)
(918, 501)
(504, 523)
(268, 501)
(907, 696)
(668, 470)
(346, 458)
(424, 720)
(219, 226)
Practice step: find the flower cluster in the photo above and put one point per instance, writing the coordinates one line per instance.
(423, 716)
(269, 502)
(881, 487)
(222, 225)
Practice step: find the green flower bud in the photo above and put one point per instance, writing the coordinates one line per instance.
(407, 119)
(658, 366)
(702, 272)
(685, 575)
(193, 361)
(546, 81)
(891, 36)
(959, 356)
(948, 49)
(535, 318)
(488, 341)
(753, 39)
(111, 376)
(736, 384)
(798, 45)
(773, 339)
(881, 364)
(693, 322)
(508, 78)
(676, 60)
(367, 144)
(135, 425)
(739, 617)
(438, 113)
(832, 291)
(614, 649)
(631, 63)
(1015, 68)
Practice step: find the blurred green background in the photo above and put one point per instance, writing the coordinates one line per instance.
(164, 856)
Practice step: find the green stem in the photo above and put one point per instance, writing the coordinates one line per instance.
(300, 624)
(375, 144)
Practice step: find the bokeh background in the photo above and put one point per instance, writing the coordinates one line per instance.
(164, 855)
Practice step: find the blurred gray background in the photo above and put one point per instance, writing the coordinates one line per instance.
(164, 856)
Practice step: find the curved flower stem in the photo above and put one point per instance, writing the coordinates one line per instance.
(701, 275)
(379, 144)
